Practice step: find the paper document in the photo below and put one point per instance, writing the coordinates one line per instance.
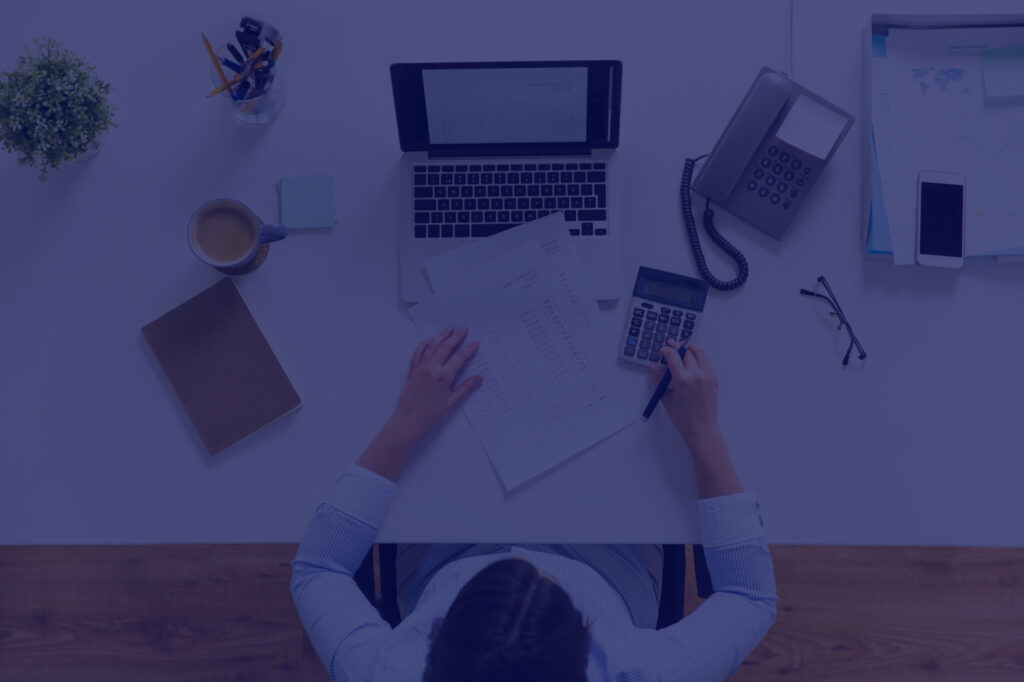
(450, 270)
(546, 393)
(938, 121)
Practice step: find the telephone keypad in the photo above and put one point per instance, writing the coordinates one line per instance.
(777, 174)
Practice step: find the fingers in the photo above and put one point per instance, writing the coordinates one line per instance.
(435, 341)
(448, 346)
(460, 357)
(657, 372)
(671, 355)
(417, 355)
(463, 390)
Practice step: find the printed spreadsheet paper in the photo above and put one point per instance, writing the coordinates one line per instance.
(450, 270)
(546, 395)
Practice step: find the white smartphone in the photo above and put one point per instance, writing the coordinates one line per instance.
(940, 220)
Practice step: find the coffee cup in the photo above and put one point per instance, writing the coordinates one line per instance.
(226, 234)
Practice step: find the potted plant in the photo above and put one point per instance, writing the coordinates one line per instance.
(52, 108)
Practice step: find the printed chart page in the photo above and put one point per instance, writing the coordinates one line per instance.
(451, 270)
(545, 396)
(941, 122)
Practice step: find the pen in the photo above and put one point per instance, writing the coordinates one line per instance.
(231, 65)
(660, 390)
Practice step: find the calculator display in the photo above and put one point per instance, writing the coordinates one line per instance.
(670, 293)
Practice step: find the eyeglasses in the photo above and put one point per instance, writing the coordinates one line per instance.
(837, 312)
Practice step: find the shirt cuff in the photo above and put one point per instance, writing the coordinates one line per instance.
(730, 519)
(362, 494)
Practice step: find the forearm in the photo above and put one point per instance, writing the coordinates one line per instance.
(387, 453)
(712, 465)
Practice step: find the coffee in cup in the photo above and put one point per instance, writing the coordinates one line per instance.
(227, 235)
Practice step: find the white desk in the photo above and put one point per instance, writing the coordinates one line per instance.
(921, 445)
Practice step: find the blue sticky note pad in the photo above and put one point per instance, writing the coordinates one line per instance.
(1003, 73)
(307, 202)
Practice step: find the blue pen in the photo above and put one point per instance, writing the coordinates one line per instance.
(660, 390)
(231, 65)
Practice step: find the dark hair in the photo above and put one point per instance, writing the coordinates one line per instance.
(509, 623)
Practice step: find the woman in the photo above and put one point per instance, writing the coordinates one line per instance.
(531, 612)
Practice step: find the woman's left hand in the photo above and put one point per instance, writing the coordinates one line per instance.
(428, 396)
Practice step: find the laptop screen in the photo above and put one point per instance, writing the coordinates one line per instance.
(496, 108)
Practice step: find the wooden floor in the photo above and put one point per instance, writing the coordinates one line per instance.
(223, 612)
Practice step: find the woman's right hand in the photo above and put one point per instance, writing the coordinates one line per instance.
(692, 396)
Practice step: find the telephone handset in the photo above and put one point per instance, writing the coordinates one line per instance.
(764, 164)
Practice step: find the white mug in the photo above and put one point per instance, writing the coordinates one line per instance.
(226, 234)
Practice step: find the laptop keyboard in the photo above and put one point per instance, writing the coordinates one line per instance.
(478, 200)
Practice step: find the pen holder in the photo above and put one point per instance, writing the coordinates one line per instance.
(253, 111)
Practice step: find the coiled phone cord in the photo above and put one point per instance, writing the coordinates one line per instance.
(716, 236)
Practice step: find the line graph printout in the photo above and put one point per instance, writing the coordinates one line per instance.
(939, 122)
(545, 396)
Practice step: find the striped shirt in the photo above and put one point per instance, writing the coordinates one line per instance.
(355, 643)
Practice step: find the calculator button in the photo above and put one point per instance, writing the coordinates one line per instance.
(675, 321)
(807, 170)
(651, 315)
(781, 187)
(795, 164)
(789, 175)
(645, 344)
(758, 173)
(799, 182)
(691, 316)
(770, 180)
(631, 341)
(641, 355)
(766, 162)
(629, 350)
(665, 309)
(775, 198)
(661, 327)
(752, 185)
(784, 157)
(634, 331)
(659, 338)
(688, 324)
(648, 334)
(777, 168)
(663, 317)
(677, 313)
(763, 192)
(647, 305)
(685, 333)
(773, 150)
(638, 320)
(673, 332)
(649, 324)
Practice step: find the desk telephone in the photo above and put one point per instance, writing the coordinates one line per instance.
(764, 164)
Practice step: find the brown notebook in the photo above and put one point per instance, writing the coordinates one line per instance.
(220, 365)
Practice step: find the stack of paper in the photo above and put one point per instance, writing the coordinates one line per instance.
(548, 390)
(930, 113)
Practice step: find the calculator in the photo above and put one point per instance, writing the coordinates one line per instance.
(664, 306)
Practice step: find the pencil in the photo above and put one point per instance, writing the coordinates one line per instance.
(234, 81)
(220, 71)
(277, 48)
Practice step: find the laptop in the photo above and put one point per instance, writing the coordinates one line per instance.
(488, 146)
